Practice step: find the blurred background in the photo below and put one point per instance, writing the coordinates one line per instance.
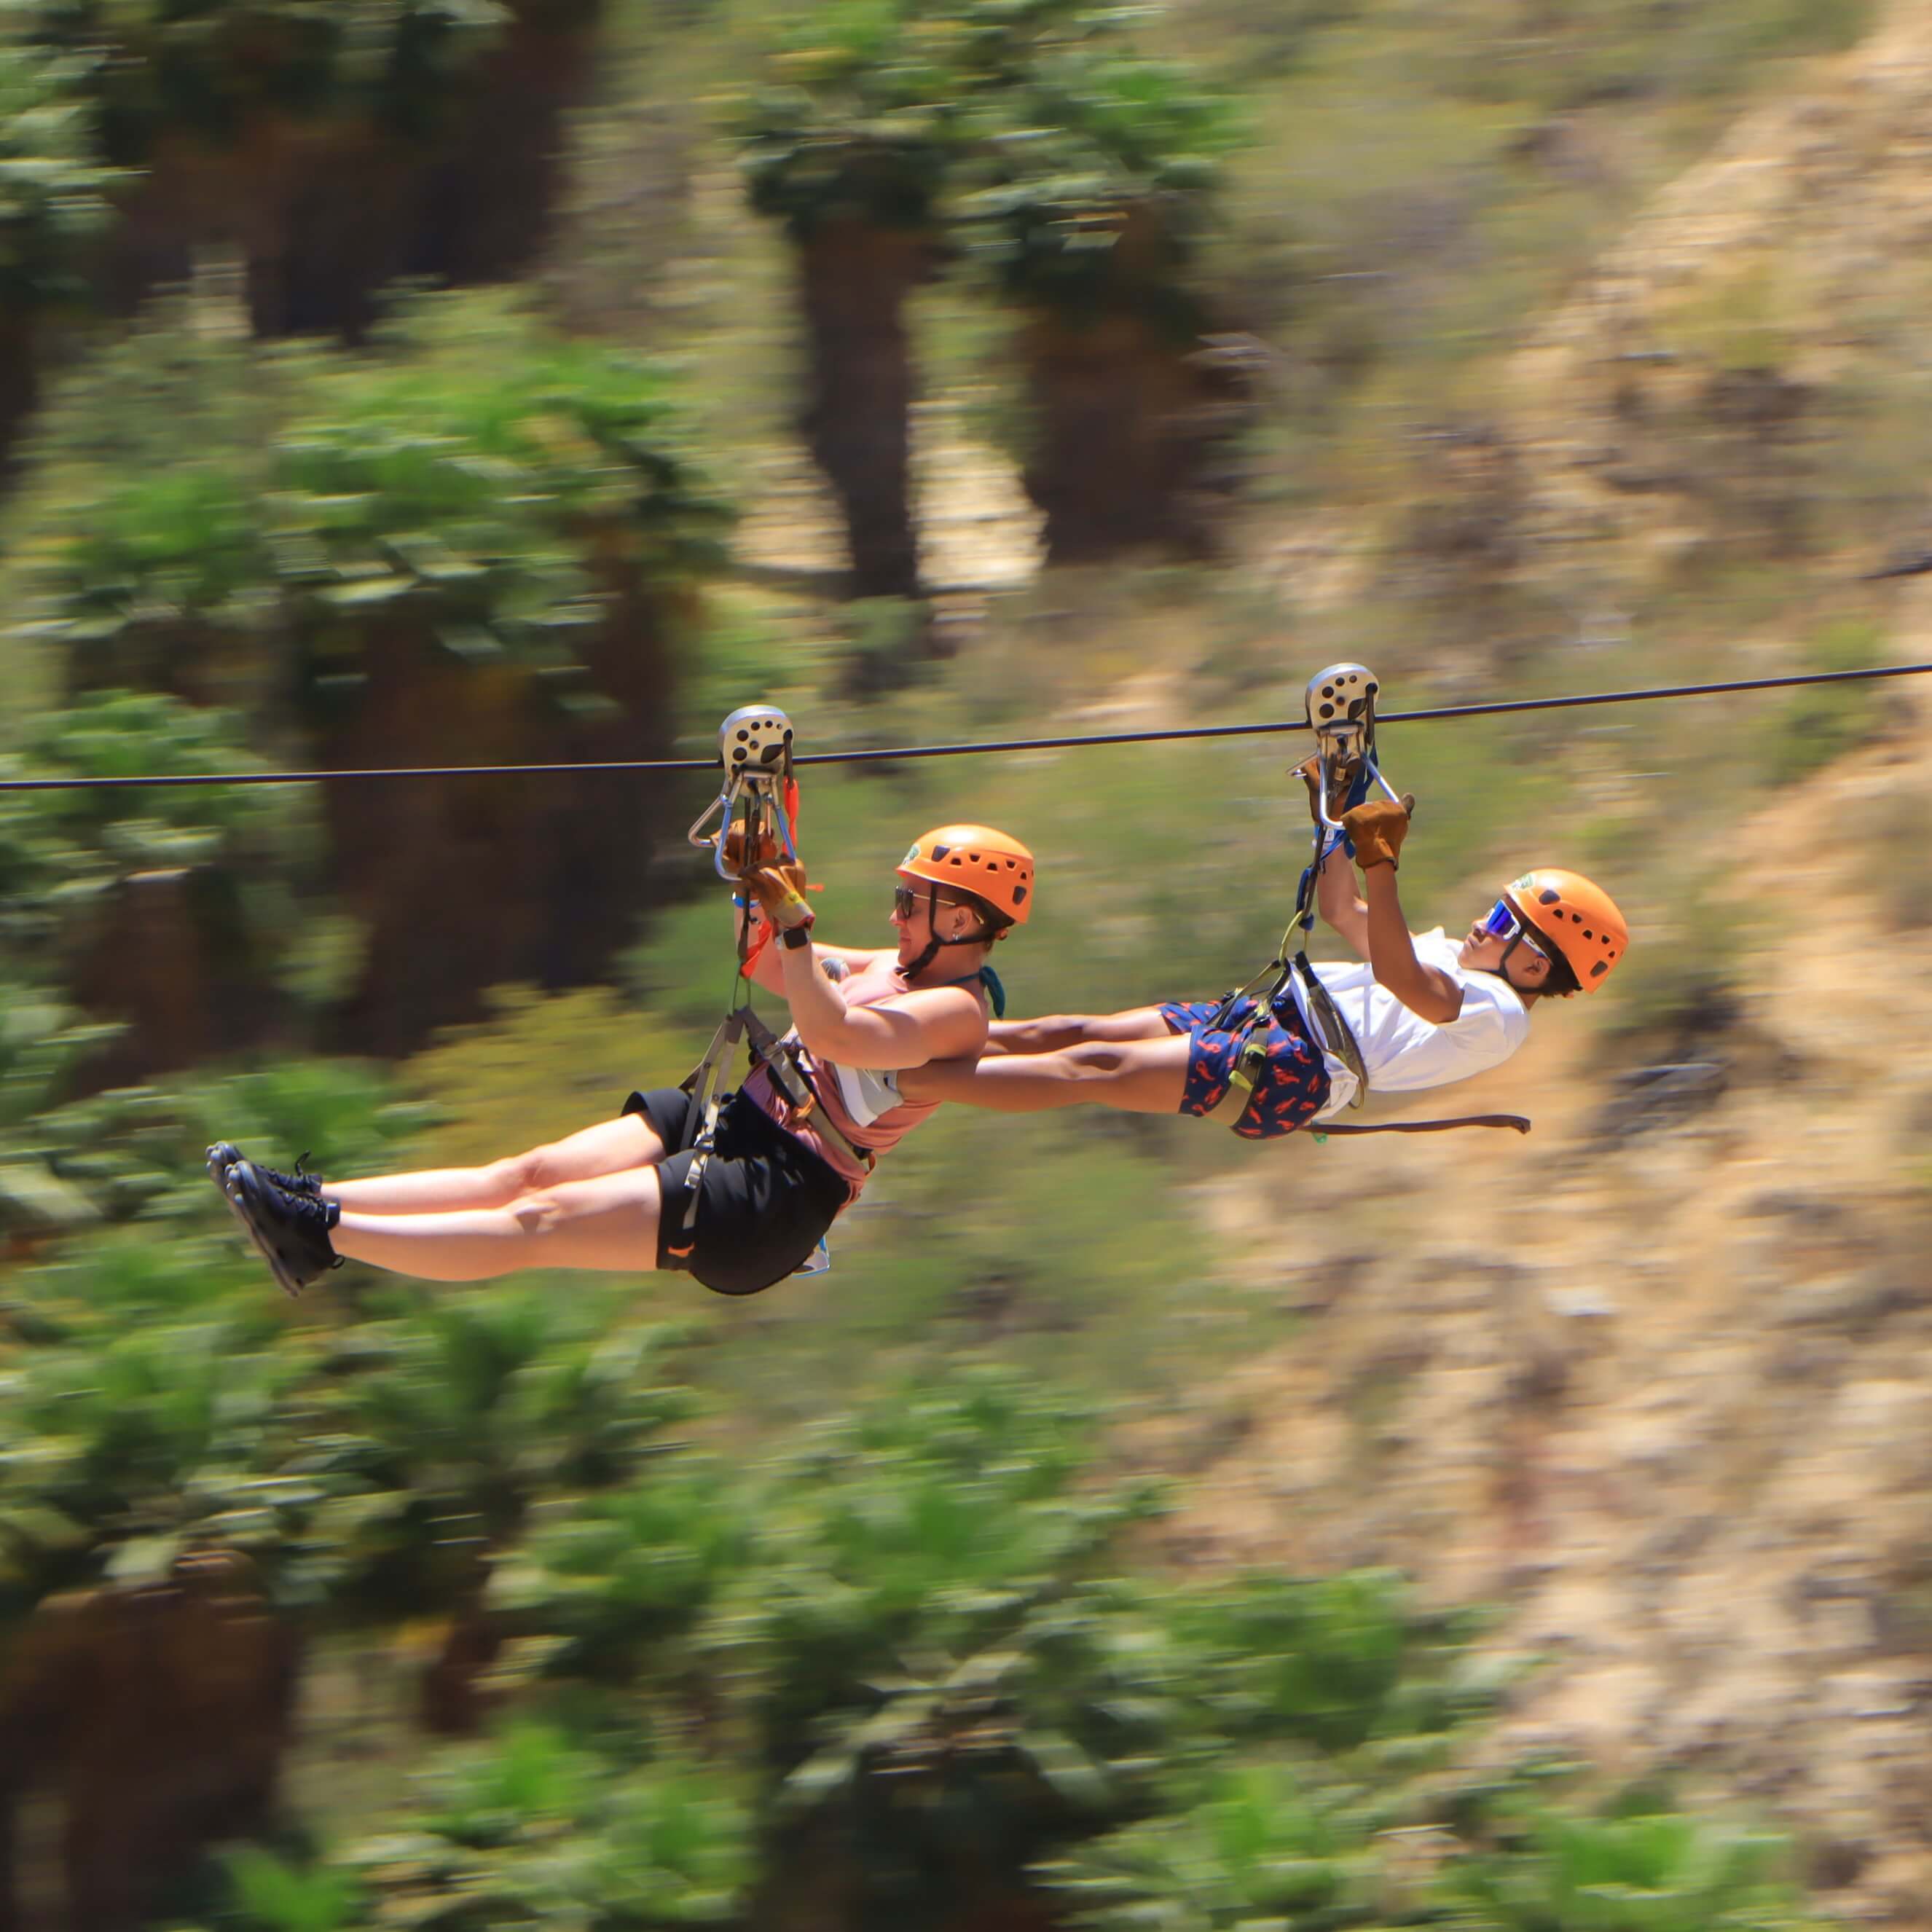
(1137, 1529)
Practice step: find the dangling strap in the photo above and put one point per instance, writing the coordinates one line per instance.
(1515, 1121)
(996, 994)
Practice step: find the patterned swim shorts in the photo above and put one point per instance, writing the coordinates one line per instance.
(1293, 1085)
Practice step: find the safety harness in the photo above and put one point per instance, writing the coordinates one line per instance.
(759, 800)
(1342, 714)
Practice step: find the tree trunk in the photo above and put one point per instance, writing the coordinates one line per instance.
(166, 954)
(19, 384)
(466, 883)
(326, 214)
(856, 278)
(159, 1716)
(1130, 423)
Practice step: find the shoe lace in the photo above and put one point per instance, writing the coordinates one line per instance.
(301, 1184)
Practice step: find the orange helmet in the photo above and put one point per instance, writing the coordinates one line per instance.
(1577, 917)
(995, 869)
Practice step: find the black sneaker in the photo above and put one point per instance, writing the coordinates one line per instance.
(223, 1154)
(290, 1231)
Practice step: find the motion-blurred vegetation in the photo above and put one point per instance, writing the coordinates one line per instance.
(576, 1603)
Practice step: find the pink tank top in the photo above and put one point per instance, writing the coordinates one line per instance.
(880, 979)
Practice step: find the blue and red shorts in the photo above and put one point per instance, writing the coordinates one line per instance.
(1293, 1085)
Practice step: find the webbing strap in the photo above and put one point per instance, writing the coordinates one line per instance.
(1516, 1121)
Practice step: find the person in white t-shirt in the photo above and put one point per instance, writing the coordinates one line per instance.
(1423, 1010)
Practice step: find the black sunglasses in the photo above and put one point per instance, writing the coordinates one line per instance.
(906, 900)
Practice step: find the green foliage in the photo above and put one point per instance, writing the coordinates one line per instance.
(1645, 1869)
(605, 1583)
(479, 482)
(209, 70)
(486, 476)
(271, 1896)
(118, 1454)
(1029, 128)
(1820, 723)
(862, 125)
(1093, 185)
(1265, 1846)
(136, 1153)
(534, 1830)
(53, 194)
(62, 850)
(1336, 1663)
(460, 1417)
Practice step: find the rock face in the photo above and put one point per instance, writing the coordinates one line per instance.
(158, 1717)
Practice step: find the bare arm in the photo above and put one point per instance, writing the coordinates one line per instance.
(768, 974)
(941, 1023)
(1427, 992)
(1335, 899)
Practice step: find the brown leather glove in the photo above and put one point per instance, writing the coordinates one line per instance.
(1310, 772)
(1379, 827)
(734, 850)
(780, 892)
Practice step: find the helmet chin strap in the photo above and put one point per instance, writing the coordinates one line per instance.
(934, 945)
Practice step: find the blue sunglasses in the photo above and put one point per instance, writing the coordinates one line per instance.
(1503, 923)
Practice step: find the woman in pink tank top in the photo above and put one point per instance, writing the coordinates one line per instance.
(787, 1156)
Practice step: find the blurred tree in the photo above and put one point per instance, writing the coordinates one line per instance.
(481, 546)
(941, 1688)
(336, 144)
(1090, 187)
(163, 909)
(147, 1671)
(896, 130)
(1322, 1720)
(1637, 1866)
(537, 1831)
(456, 1422)
(54, 208)
(850, 152)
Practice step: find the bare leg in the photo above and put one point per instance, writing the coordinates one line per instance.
(1057, 1030)
(611, 1147)
(1137, 1076)
(610, 1222)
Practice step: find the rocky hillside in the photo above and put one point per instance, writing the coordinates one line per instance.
(1676, 398)
(1658, 1380)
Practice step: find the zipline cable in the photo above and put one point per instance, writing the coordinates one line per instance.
(887, 755)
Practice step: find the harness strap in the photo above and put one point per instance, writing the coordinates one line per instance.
(700, 1122)
(780, 1058)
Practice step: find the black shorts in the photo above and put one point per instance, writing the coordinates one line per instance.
(764, 1200)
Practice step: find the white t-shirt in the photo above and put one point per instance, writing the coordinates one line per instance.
(1403, 1051)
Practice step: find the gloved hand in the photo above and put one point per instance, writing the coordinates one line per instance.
(1379, 827)
(734, 850)
(780, 892)
(1310, 772)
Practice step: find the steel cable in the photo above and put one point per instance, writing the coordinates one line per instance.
(885, 754)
